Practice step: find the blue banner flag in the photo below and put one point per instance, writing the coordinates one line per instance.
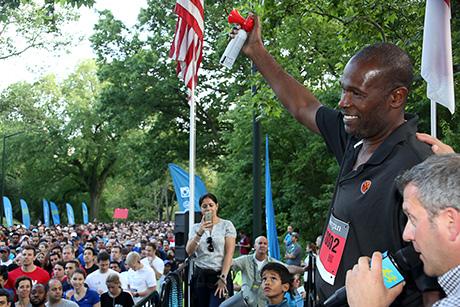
(55, 213)
(46, 213)
(25, 213)
(84, 208)
(182, 189)
(70, 215)
(8, 211)
(272, 235)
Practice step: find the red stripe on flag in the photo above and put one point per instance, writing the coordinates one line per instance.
(189, 19)
(187, 47)
(447, 2)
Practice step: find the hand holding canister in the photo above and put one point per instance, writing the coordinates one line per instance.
(235, 45)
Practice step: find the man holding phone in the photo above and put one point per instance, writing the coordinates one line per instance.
(432, 204)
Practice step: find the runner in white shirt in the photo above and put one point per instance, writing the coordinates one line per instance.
(96, 280)
(141, 278)
(152, 260)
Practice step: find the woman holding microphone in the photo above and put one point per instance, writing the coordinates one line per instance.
(213, 242)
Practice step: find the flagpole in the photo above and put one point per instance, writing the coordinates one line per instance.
(433, 118)
(191, 171)
(191, 205)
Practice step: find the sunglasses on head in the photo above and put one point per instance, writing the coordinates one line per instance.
(209, 242)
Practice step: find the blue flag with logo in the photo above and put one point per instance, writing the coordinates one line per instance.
(46, 212)
(182, 187)
(8, 211)
(55, 214)
(70, 215)
(84, 208)
(272, 235)
(25, 213)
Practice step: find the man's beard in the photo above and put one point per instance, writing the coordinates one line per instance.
(40, 303)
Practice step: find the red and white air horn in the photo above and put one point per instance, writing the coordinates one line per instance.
(235, 45)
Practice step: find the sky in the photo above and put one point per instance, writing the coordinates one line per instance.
(35, 63)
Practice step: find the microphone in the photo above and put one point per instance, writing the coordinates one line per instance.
(404, 259)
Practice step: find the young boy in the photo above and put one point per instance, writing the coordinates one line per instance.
(275, 283)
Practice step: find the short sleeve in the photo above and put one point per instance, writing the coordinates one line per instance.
(230, 230)
(193, 230)
(94, 297)
(330, 125)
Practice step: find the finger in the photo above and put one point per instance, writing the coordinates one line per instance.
(435, 148)
(348, 277)
(355, 268)
(425, 138)
(363, 262)
(376, 265)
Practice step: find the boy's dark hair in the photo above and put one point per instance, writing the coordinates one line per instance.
(103, 256)
(91, 249)
(61, 263)
(280, 269)
(114, 262)
(30, 247)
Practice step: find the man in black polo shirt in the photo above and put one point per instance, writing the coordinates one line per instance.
(373, 140)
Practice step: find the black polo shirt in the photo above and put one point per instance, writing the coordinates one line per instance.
(367, 198)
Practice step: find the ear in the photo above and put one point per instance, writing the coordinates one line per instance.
(398, 97)
(452, 220)
(285, 287)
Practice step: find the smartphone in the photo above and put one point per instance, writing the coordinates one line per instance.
(390, 271)
(208, 216)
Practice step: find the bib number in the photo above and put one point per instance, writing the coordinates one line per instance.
(332, 248)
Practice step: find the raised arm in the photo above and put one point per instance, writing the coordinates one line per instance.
(298, 100)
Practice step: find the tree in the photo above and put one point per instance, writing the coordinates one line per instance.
(30, 26)
(79, 151)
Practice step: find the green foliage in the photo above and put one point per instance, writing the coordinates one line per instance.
(73, 149)
(29, 25)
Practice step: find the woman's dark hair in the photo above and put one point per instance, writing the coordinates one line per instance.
(208, 195)
(21, 278)
(79, 271)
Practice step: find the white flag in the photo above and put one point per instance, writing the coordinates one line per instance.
(437, 67)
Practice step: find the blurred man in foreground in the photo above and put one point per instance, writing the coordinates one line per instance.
(432, 204)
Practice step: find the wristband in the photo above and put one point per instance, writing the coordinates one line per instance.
(198, 234)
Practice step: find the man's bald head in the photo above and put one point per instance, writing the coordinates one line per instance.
(392, 63)
(261, 245)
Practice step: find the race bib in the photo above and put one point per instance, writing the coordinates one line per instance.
(332, 248)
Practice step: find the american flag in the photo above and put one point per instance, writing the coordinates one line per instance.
(187, 47)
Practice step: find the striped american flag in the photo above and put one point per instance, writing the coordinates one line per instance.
(187, 47)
